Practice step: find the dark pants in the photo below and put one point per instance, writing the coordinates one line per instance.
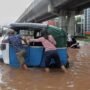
(52, 54)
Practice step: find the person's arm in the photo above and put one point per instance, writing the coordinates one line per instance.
(24, 39)
(36, 40)
(52, 39)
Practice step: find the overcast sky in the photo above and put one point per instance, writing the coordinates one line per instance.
(10, 10)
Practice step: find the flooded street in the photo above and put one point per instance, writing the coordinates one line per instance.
(77, 77)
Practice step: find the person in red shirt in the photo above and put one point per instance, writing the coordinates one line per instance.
(49, 43)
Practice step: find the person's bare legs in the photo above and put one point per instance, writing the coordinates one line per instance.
(20, 57)
(47, 69)
(24, 66)
(63, 68)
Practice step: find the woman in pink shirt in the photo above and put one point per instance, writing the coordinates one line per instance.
(49, 43)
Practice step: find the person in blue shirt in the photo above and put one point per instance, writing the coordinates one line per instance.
(16, 42)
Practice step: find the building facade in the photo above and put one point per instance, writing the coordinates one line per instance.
(87, 20)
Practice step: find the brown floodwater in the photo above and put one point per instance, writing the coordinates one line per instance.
(77, 78)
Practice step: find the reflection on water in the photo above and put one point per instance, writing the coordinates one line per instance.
(77, 77)
(1, 75)
(1, 78)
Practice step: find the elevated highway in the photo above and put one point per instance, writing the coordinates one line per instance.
(41, 10)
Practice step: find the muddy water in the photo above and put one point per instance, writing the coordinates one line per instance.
(77, 78)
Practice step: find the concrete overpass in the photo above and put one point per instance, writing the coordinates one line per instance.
(41, 10)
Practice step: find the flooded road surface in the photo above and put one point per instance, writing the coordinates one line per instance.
(77, 78)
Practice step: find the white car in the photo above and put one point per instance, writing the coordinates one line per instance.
(4, 53)
(1, 57)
